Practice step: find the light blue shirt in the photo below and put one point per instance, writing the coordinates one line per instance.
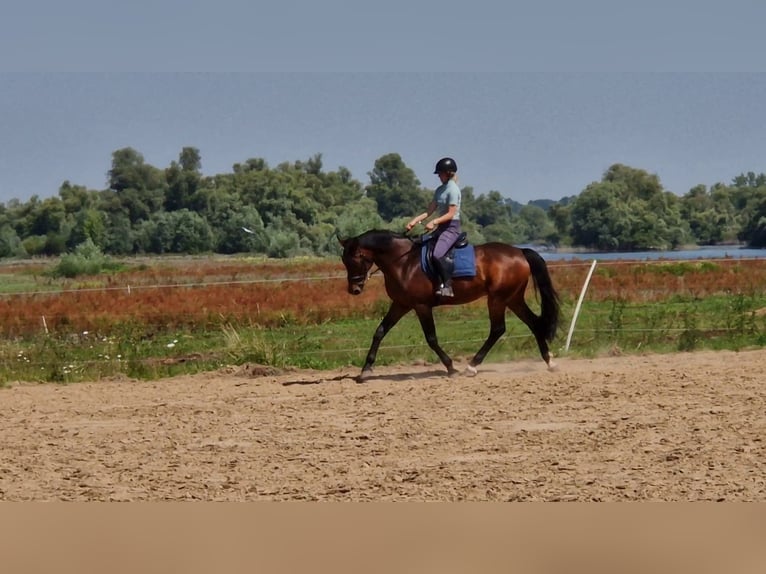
(445, 195)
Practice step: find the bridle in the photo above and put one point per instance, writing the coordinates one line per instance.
(362, 278)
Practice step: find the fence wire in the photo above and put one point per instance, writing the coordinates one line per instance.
(600, 322)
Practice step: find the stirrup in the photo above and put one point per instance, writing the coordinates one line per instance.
(445, 291)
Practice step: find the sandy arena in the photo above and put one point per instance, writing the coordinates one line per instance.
(686, 426)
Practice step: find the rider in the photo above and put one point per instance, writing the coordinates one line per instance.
(446, 201)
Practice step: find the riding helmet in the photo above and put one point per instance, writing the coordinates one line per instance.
(446, 164)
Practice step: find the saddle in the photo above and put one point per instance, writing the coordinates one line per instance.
(461, 255)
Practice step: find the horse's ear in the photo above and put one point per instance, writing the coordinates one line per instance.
(341, 241)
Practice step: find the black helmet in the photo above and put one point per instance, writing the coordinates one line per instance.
(446, 164)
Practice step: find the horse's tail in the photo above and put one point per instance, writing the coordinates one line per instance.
(549, 304)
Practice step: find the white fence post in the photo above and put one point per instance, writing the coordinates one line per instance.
(579, 303)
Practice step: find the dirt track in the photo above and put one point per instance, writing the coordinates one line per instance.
(660, 427)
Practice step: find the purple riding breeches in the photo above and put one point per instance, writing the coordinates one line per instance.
(447, 236)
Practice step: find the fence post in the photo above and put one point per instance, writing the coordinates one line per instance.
(579, 303)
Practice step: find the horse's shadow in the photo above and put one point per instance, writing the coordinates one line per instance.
(399, 377)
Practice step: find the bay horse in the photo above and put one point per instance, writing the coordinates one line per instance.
(502, 274)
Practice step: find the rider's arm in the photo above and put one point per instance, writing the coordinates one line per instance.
(418, 218)
(447, 216)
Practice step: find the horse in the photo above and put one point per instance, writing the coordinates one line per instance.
(502, 273)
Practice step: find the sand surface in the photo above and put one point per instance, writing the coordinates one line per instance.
(688, 426)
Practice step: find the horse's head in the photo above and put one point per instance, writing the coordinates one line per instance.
(358, 262)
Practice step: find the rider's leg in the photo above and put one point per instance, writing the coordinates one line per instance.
(444, 241)
(444, 269)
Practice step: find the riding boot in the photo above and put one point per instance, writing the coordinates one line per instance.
(444, 269)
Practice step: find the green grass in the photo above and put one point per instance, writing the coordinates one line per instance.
(17, 283)
(132, 350)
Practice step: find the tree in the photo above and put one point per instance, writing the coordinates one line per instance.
(129, 171)
(628, 210)
(632, 183)
(119, 235)
(192, 233)
(595, 218)
(46, 221)
(561, 217)
(10, 243)
(710, 216)
(140, 187)
(77, 197)
(241, 231)
(357, 218)
(312, 166)
(183, 179)
(181, 231)
(490, 209)
(283, 241)
(750, 179)
(747, 197)
(395, 188)
(140, 205)
(334, 190)
(534, 224)
(502, 232)
(88, 225)
(754, 231)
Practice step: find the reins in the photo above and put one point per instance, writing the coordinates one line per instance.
(371, 272)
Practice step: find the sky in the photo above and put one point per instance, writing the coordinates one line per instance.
(533, 99)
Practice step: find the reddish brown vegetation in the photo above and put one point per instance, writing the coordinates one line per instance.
(657, 280)
(205, 293)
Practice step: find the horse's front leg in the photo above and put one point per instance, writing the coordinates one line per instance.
(426, 317)
(395, 312)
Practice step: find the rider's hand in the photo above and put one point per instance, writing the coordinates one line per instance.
(430, 226)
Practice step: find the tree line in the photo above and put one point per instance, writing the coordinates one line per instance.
(298, 208)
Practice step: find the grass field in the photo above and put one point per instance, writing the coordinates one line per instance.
(164, 316)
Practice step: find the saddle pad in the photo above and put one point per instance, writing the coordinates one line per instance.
(465, 262)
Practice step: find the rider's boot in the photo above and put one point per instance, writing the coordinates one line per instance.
(444, 269)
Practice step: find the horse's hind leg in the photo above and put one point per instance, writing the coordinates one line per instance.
(426, 317)
(496, 329)
(535, 325)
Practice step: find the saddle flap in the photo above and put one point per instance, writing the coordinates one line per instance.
(428, 243)
(464, 260)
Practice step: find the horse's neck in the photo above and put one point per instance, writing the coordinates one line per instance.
(397, 257)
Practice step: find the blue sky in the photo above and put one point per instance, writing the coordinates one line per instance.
(543, 96)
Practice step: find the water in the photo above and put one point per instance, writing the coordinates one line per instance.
(689, 254)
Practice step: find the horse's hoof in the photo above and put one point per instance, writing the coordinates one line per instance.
(553, 366)
(471, 371)
(363, 376)
(453, 373)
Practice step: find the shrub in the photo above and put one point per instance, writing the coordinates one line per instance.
(87, 259)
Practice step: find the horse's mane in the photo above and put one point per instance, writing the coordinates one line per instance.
(378, 238)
